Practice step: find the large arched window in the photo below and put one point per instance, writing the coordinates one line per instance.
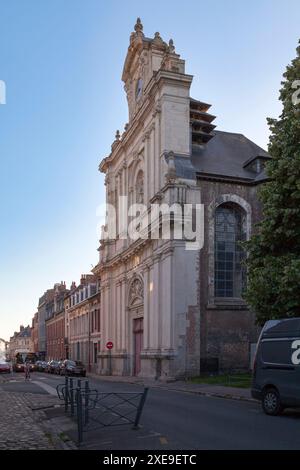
(230, 230)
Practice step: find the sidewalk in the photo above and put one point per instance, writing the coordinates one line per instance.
(219, 391)
(24, 424)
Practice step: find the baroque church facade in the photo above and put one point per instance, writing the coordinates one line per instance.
(172, 312)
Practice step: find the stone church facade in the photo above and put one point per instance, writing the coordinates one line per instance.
(169, 311)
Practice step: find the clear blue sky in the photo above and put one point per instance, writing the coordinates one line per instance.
(62, 62)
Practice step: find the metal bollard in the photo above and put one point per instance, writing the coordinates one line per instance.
(72, 397)
(66, 394)
(140, 409)
(79, 383)
(79, 414)
(86, 401)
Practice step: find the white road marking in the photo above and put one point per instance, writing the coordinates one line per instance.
(46, 387)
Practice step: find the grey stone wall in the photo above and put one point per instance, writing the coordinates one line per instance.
(227, 327)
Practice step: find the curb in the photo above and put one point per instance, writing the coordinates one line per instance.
(217, 395)
(209, 394)
(195, 392)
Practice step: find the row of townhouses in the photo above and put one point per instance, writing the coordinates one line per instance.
(168, 311)
(66, 324)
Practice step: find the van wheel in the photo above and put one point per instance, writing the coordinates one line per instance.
(271, 402)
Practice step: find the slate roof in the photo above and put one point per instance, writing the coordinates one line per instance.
(223, 157)
(26, 333)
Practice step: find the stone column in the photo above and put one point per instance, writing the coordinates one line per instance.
(118, 316)
(156, 158)
(106, 315)
(123, 314)
(154, 293)
(146, 308)
(112, 314)
(159, 175)
(166, 301)
(148, 165)
(146, 171)
(152, 164)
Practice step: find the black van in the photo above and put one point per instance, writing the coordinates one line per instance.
(276, 370)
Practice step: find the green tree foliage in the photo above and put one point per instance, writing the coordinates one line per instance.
(273, 263)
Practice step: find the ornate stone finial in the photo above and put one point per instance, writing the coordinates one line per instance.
(126, 126)
(171, 46)
(157, 36)
(118, 135)
(138, 26)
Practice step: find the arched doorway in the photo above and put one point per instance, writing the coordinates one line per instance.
(136, 315)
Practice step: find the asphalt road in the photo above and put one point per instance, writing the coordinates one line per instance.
(189, 421)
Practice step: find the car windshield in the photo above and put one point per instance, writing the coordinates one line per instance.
(71, 363)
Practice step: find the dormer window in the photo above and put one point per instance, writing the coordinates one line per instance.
(256, 164)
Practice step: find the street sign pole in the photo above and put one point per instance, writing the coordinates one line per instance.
(109, 362)
(109, 346)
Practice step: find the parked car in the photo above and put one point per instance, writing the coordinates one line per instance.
(58, 368)
(276, 371)
(52, 366)
(69, 367)
(4, 368)
(41, 366)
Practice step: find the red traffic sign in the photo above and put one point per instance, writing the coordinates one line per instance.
(109, 345)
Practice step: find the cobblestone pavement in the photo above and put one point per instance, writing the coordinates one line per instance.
(23, 422)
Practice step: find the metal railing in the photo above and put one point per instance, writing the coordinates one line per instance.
(93, 409)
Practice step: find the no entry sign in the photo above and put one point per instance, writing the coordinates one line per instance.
(109, 345)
